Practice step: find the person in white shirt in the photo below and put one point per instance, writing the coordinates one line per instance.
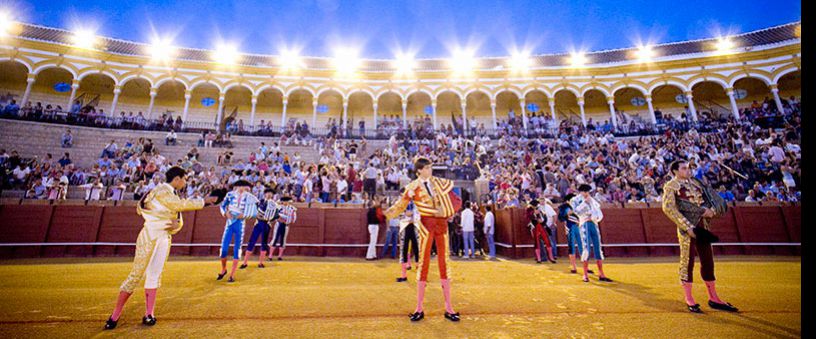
(489, 230)
(342, 189)
(552, 216)
(468, 230)
(93, 190)
(170, 138)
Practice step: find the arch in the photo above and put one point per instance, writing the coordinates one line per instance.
(235, 83)
(113, 77)
(532, 89)
(161, 81)
(472, 90)
(588, 87)
(294, 88)
(136, 75)
(19, 61)
(167, 90)
(266, 86)
(390, 90)
(439, 92)
(718, 79)
(361, 90)
(751, 74)
(512, 89)
(782, 71)
(569, 88)
(47, 65)
(631, 84)
(676, 82)
(425, 90)
(325, 89)
(200, 81)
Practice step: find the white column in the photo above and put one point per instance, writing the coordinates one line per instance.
(524, 114)
(252, 112)
(220, 114)
(611, 102)
(433, 107)
(29, 84)
(283, 114)
(74, 88)
(651, 109)
(583, 116)
(692, 109)
(405, 113)
(734, 109)
(345, 117)
(375, 116)
(187, 95)
(464, 119)
(775, 91)
(314, 112)
(552, 107)
(152, 100)
(116, 90)
(493, 111)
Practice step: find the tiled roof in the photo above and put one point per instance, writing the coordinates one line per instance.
(766, 36)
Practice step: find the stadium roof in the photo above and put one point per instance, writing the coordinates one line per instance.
(773, 35)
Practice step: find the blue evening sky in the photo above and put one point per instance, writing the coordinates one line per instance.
(426, 29)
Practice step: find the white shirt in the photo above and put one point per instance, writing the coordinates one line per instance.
(550, 213)
(467, 220)
(489, 222)
(341, 186)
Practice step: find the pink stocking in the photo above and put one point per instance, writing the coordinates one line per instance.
(420, 295)
(150, 300)
(687, 290)
(120, 305)
(446, 291)
(712, 292)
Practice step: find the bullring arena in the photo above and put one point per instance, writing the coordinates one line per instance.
(91, 126)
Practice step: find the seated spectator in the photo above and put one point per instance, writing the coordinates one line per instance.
(37, 190)
(171, 138)
(19, 176)
(12, 109)
(67, 139)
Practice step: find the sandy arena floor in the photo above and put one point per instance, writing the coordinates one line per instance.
(342, 298)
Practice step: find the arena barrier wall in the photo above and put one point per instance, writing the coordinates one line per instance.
(75, 229)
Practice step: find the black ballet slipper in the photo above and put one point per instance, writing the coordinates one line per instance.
(452, 316)
(722, 307)
(416, 316)
(110, 323)
(149, 320)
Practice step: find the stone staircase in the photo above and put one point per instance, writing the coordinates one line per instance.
(32, 139)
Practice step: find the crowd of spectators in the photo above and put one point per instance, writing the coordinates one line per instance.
(755, 158)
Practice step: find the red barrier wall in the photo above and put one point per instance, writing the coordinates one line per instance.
(344, 232)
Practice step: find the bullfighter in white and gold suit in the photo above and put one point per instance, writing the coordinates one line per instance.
(161, 209)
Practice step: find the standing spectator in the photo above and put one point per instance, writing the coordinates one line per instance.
(467, 231)
(373, 230)
(93, 191)
(391, 237)
(490, 230)
(370, 182)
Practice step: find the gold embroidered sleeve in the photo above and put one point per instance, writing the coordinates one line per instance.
(401, 204)
(173, 202)
(670, 206)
